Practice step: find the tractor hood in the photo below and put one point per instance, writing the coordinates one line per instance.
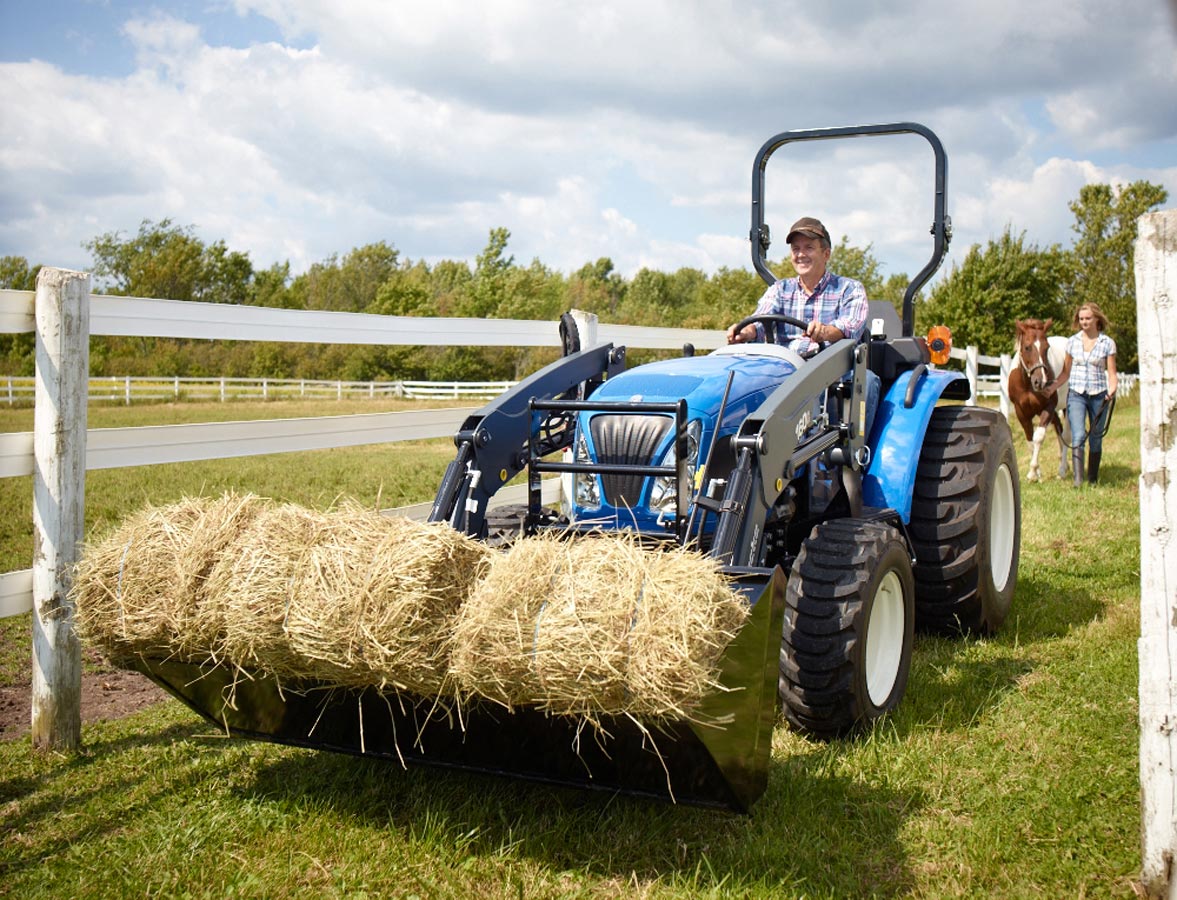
(701, 381)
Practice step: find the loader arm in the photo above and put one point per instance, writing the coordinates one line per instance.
(492, 443)
(784, 433)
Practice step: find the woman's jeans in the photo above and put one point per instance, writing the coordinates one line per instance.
(1080, 409)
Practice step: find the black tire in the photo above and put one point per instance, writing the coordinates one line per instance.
(966, 522)
(849, 620)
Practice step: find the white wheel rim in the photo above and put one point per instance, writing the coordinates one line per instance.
(1002, 522)
(884, 638)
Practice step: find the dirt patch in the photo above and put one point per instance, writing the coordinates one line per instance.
(106, 694)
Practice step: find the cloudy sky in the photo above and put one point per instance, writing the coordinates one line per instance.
(295, 129)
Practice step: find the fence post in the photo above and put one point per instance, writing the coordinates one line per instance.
(970, 370)
(1156, 316)
(62, 311)
(1007, 362)
(127, 390)
(586, 325)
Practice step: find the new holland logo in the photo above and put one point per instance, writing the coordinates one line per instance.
(803, 424)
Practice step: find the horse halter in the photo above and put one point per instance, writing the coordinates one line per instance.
(1029, 371)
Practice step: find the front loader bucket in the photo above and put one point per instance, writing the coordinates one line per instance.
(723, 765)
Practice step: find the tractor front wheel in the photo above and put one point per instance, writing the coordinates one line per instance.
(849, 619)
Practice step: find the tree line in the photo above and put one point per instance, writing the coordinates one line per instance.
(979, 298)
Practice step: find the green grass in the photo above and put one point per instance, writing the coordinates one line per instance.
(1009, 771)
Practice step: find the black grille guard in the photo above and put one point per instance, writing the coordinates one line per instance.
(682, 494)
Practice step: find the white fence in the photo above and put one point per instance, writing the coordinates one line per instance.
(132, 316)
(127, 389)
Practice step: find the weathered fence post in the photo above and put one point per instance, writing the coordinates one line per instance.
(62, 309)
(586, 325)
(1003, 371)
(971, 365)
(1156, 316)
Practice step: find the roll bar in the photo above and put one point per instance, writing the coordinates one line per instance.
(941, 224)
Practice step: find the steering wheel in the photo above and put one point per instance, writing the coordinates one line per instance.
(770, 322)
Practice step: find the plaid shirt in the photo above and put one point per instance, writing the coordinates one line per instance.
(1089, 368)
(838, 301)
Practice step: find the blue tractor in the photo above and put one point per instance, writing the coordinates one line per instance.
(844, 541)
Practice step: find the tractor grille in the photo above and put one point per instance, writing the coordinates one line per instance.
(626, 440)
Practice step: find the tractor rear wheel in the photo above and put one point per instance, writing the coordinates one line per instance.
(849, 619)
(966, 522)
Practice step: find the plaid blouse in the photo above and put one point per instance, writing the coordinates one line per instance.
(1089, 368)
(837, 301)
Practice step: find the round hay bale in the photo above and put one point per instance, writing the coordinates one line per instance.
(138, 590)
(495, 630)
(251, 588)
(597, 626)
(687, 616)
(582, 638)
(345, 598)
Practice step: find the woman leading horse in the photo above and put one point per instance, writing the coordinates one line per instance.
(1089, 371)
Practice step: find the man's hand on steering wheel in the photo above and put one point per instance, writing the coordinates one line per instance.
(743, 332)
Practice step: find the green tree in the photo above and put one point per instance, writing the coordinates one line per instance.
(860, 264)
(450, 281)
(981, 298)
(488, 290)
(1103, 270)
(168, 261)
(533, 293)
(17, 275)
(17, 351)
(648, 297)
(347, 285)
(726, 297)
(597, 288)
(407, 291)
(271, 287)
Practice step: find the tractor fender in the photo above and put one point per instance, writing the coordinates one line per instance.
(897, 437)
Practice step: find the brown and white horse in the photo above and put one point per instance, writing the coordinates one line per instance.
(1037, 360)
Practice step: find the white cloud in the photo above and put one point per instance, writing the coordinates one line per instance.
(614, 129)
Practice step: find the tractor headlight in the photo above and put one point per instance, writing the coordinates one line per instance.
(587, 490)
(662, 496)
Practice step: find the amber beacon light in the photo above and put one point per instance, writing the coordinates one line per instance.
(939, 343)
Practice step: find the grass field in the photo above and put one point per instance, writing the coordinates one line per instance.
(1009, 771)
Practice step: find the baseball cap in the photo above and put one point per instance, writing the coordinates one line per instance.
(809, 226)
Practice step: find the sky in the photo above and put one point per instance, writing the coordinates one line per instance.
(294, 130)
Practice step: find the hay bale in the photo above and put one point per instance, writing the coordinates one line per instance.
(138, 590)
(495, 631)
(345, 598)
(596, 626)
